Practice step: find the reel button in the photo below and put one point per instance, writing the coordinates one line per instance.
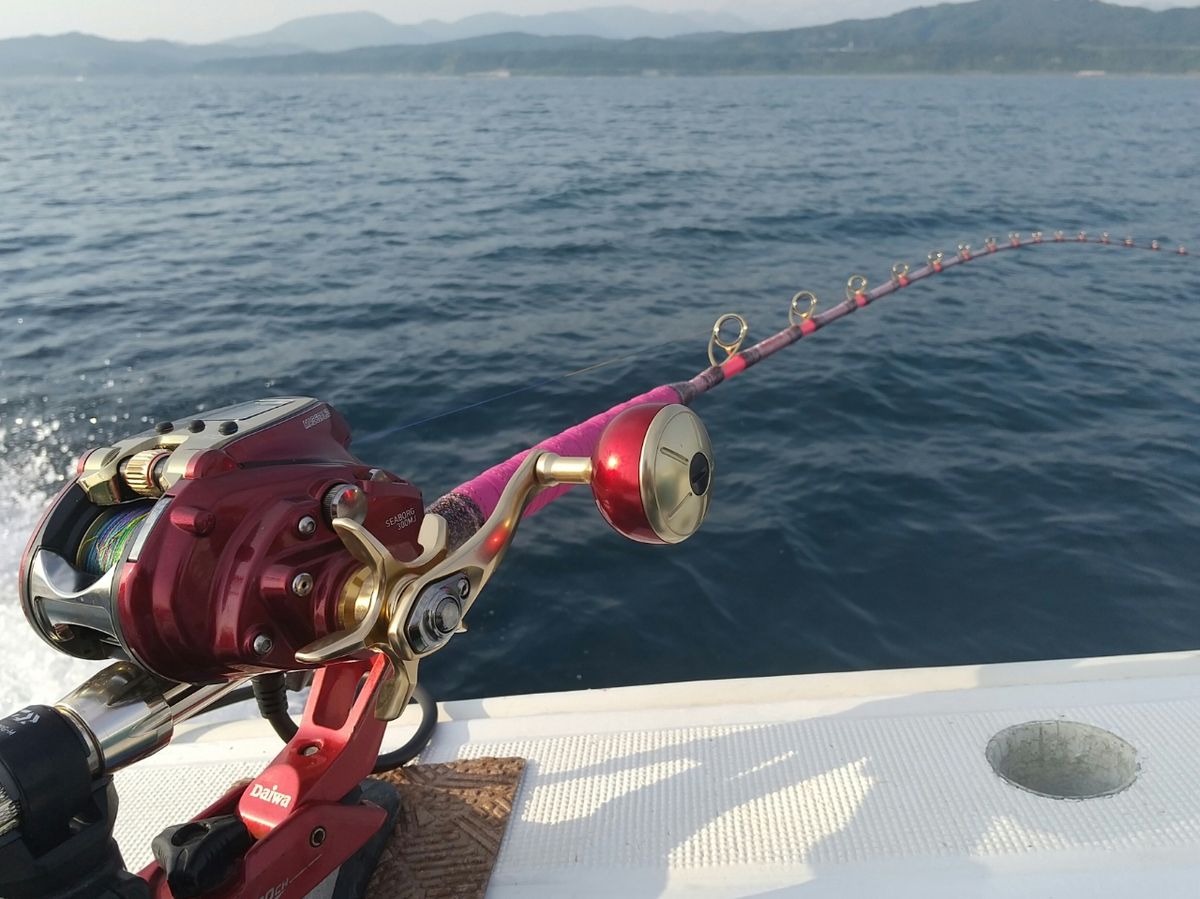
(345, 501)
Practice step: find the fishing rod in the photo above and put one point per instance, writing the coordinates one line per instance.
(802, 308)
(468, 505)
(251, 542)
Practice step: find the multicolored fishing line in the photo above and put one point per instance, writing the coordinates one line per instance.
(106, 539)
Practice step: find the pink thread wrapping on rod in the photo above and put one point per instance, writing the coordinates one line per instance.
(485, 489)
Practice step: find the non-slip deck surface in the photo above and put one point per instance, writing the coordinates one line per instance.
(850, 785)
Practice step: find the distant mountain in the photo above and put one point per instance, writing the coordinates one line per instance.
(333, 32)
(345, 31)
(613, 22)
(979, 36)
(85, 54)
(1068, 24)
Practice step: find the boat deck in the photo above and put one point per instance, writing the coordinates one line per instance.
(859, 784)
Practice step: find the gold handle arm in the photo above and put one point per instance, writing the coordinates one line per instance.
(383, 615)
(479, 557)
(386, 575)
(364, 546)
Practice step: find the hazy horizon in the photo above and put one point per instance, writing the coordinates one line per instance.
(224, 19)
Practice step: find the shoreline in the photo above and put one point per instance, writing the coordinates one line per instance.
(1084, 75)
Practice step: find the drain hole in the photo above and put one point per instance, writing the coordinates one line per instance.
(1063, 759)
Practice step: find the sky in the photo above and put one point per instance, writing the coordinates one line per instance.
(200, 21)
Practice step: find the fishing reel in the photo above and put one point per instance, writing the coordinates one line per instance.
(252, 541)
(204, 550)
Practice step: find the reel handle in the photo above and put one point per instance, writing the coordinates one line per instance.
(650, 473)
(651, 476)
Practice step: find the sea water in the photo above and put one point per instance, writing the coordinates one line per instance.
(998, 464)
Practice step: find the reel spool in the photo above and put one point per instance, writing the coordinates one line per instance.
(108, 537)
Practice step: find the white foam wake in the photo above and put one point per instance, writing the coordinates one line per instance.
(30, 671)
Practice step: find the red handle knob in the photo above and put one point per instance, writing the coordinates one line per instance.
(652, 473)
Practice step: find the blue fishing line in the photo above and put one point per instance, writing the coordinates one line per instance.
(536, 385)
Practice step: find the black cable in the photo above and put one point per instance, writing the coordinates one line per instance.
(296, 680)
(270, 693)
(389, 761)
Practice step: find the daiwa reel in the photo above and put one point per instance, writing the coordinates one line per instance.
(249, 542)
(206, 550)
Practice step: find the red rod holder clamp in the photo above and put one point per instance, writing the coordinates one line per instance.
(299, 800)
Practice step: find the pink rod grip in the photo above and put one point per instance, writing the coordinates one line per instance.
(580, 440)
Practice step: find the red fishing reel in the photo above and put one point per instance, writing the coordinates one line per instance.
(205, 550)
